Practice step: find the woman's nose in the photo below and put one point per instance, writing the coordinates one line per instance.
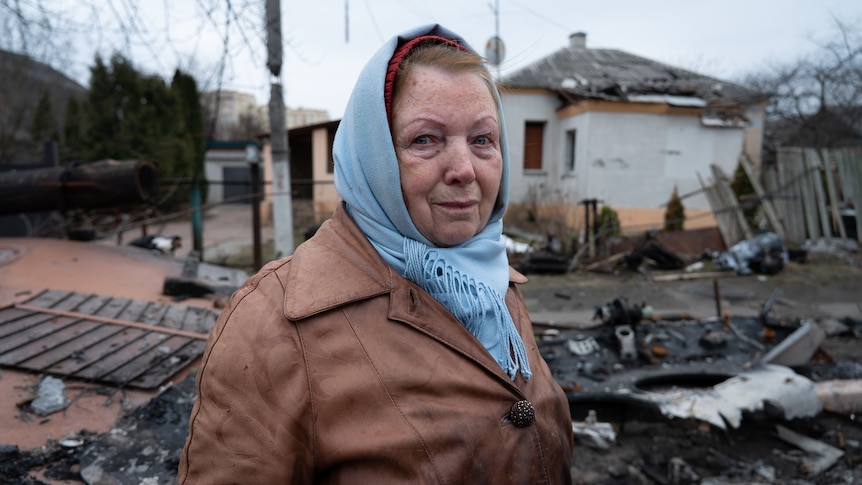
(459, 168)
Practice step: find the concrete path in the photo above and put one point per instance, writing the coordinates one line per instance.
(570, 301)
(227, 229)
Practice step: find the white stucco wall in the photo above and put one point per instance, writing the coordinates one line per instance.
(215, 160)
(325, 196)
(624, 159)
(519, 109)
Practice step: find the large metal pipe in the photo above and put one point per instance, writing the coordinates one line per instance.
(94, 185)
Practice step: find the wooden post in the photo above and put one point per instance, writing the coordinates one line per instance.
(788, 179)
(812, 164)
(826, 159)
(765, 202)
(850, 171)
(724, 190)
(725, 227)
(253, 159)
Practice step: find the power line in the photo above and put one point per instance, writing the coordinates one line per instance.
(373, 21)
(540, 15)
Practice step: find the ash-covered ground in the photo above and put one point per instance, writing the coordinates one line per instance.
(144, 446)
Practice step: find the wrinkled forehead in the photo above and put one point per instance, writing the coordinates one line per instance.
(404, 48)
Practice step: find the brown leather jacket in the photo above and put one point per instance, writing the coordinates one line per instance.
(328, 367)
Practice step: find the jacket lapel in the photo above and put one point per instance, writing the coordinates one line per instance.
(412, 306)
(341, 249)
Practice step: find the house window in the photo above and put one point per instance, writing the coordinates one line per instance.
(534, 133)
(570, 149)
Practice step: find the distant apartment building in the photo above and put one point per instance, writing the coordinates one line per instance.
(294, 117)
(234, 114)
(238, 117)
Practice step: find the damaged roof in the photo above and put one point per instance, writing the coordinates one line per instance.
(577, 72)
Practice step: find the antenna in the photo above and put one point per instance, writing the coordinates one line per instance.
(497, 18)
(346, 23)
(494, 48)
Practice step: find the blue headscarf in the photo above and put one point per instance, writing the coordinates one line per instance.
(470, 279)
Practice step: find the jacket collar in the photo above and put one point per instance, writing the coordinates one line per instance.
(340, 253)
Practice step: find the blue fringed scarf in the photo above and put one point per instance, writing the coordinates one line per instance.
(470, 280)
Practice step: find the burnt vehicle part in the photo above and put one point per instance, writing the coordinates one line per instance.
(621, 312)
(106, 183)
(648, 249)
(711, 369)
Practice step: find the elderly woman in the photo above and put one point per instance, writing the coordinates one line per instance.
(393, 346)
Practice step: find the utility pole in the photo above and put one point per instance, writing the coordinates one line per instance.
(494, 49)
(282, 206)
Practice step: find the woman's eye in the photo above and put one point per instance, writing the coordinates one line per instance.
(422, 140)
(483, 140)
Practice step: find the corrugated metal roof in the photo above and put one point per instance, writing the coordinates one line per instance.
(115, 341)
(585, 73)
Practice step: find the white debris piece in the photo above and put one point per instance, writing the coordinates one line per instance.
(593, 433)
(51, 397)
(516, 247)
(724, 403)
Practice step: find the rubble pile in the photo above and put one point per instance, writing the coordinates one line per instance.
(737, 399)
(657, 395)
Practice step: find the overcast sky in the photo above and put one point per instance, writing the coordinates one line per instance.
(325, 51)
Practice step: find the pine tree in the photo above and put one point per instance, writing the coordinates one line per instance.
(129, 115)
(99, 115)
(73, 132)
(44, 127)
(191, 131)
(674, 216)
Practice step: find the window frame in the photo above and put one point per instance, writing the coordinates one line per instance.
(571, 150)
(533, 151)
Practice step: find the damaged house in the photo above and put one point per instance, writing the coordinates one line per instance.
(591, 123)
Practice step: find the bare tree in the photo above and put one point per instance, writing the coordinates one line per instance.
(821, 90)
(51, 33)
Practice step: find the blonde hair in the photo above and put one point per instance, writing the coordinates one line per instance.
(446, 57)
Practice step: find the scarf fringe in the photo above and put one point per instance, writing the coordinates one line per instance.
(476, 305)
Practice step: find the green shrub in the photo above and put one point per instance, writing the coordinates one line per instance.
(609, 222)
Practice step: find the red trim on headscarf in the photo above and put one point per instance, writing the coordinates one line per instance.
(395, 61)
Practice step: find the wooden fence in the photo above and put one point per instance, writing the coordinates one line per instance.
(810, 187)
(802, 196)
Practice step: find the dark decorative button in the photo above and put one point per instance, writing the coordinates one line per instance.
(522, 414)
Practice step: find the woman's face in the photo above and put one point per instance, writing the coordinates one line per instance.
(447, 140)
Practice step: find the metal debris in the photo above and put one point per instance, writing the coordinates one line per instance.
(724, 403)
(593, 433)
(841, 396)
(51, 397)
(798, 348)
(822, 456)
(762, 254)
